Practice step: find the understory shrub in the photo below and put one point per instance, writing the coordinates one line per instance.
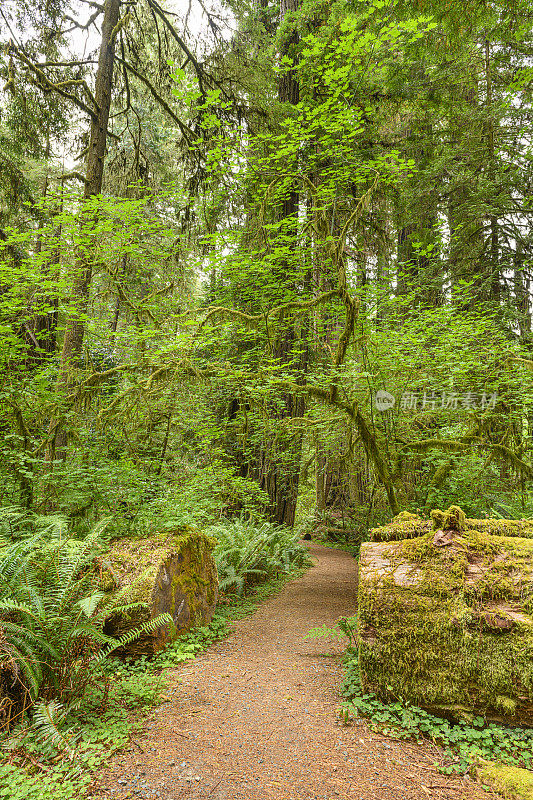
(247, 553)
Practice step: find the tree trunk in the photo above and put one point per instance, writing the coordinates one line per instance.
(75, 325)
(522, 292)
(280, 460)
(493, 288)
(466, 254)
(321, 465)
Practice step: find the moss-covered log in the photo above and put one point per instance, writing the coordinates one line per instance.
(446, 619)
(512, 783)
(407, 526)
(173, 573)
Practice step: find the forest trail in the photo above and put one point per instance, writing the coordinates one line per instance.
(255, 717)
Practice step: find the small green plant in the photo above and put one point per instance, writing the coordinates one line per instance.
(463, 742)
(345, 627)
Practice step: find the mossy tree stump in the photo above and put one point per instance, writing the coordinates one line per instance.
(446, 618)
(173, 572)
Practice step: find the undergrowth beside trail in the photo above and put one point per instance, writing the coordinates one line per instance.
(463, 742)
(247, 552)
(55, 757)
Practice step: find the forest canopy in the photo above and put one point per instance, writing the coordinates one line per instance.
(261, 260)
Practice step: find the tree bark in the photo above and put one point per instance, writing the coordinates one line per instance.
(493, 288)
(75, 325)
(280, 460)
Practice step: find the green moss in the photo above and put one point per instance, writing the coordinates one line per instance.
(512, 782)
(506, 704)
(407, 526)
(173, 573)
(523, 528)
(448, 625)
(403, 526)
(453, 519)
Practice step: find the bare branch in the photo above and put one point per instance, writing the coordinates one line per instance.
(78, 82)
(46, 64)
(185, 131)
(48, 84)
(76, 25)
(71, 176)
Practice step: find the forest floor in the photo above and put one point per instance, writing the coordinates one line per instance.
(255, 717)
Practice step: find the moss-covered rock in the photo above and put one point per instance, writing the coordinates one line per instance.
(446, 620)
(173, 573)
(512, 783)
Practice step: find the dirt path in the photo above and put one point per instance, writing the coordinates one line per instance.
(255, 717)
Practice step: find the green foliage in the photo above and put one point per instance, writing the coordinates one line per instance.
(55, 756)
(344, 629)
(19, 523)
(202, 495)
(372, 232)
(463, 742)
(51, 617)
(247, 553)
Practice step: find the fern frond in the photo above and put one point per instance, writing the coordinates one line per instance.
(48, 719)
(89, 604)
(150, 626)
(12, 605)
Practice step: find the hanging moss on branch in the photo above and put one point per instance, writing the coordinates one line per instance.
(174, 572)
(446, 618)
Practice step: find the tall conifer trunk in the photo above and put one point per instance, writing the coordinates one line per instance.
(75, 324)
(279, 467)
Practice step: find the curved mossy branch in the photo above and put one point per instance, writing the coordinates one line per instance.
(351, 304)
(361, 207)
(352, 310)
(256, 319)
(184, 368)
(511, 458)
(454, 446)
(526, 362)
(380, 465)
(465, 440)
(204, 78)
(369, 442)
